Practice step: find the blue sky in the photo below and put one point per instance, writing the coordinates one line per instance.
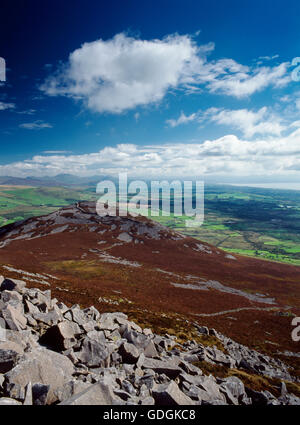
(170, 88)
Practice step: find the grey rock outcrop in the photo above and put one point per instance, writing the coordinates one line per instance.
(54, 354)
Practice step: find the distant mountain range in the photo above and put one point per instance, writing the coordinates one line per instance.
(59, 180)
(73, 180)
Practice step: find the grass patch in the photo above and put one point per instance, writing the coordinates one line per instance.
(176, 325)
(84, 269)
(207, 368)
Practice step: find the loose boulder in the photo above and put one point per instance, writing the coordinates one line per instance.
(170, 395)
(12, 285)
(98, 394)
(44, 367)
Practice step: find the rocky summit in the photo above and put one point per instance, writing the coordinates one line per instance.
(54, 354)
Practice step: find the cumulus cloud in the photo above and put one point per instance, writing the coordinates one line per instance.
(226, 156)
(124, 72)
(36, 125)
(249, 122)
(5, 105)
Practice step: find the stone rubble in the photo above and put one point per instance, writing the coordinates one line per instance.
(53, 354)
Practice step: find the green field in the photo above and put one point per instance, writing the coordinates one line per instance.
(263, 223)
(18, 203)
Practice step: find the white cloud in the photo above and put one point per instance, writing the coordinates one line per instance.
(36, 125)
(250, 122)
(295, 124)
(228, 77)
(268, 58)
(4, 106)
(183, 119)
(245, 81)
(27, 112)
(292, 103)
(226, 156)
(285, 98)
(122, 73)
